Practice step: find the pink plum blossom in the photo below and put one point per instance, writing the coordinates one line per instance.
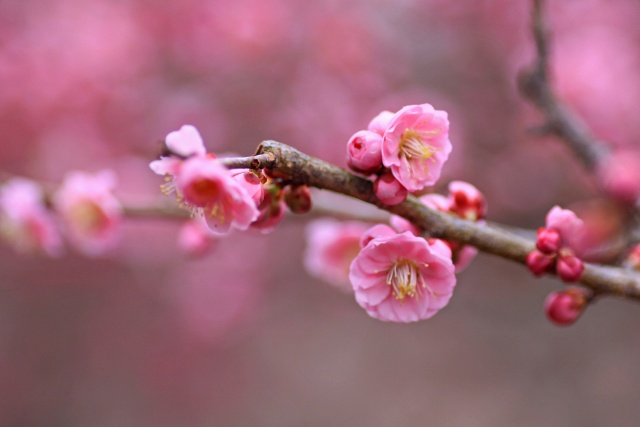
(331, 247)
(25, 223)
(380, 123)
(208, 189)
(389, 190)
(363, 152)
(91, 214)
(403, 278)
(416, 145)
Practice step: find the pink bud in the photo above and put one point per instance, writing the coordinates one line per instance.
(195, 238)
(539, 263)
(467, 201)
(564, 307)
(549, 240)
(298, 198)
(380, 123)
(272, 210)
(569, 267)
(363, 152)
(389, 190)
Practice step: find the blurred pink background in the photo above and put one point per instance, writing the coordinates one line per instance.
(244, 336)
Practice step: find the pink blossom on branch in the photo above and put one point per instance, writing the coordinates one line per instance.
(25, 222)
(416, 145)
(91, 214)
(403, 278)
(389, 190)
(207, 188)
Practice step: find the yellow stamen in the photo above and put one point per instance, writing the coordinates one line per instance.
(405, 280)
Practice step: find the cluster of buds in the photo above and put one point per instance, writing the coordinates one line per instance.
(403, 151)
(555, 247)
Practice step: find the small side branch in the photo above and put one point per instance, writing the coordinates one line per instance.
(559, 120)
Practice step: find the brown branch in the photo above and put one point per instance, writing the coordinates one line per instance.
(308, 170)
(559, 119)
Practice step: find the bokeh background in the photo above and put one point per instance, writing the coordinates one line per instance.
(243, 335)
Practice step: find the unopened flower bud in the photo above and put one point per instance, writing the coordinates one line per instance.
(569, 267)
(539, 263)
(564, 307)
(548, 241)
(364, 154)
(298, 198)
(380, 123)
(467, 201)
(272, 210)
(389, 190)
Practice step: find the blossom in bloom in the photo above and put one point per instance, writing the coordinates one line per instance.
(363, 152)
(416, 145)
(331, 247)
(403, 278)
(207, 188)
(25, 223)
(91, 214)
(564, 307)
(389, 190)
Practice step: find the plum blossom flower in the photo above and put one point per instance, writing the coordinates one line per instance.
(416, 145)
(208, 189)
(403, 278)
(24, 220)
(567, 224)
(91, 214)
(331, 247)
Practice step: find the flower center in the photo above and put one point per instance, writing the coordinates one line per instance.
(88, 217)
(412, 145)
(202, 192)
(405, 280)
